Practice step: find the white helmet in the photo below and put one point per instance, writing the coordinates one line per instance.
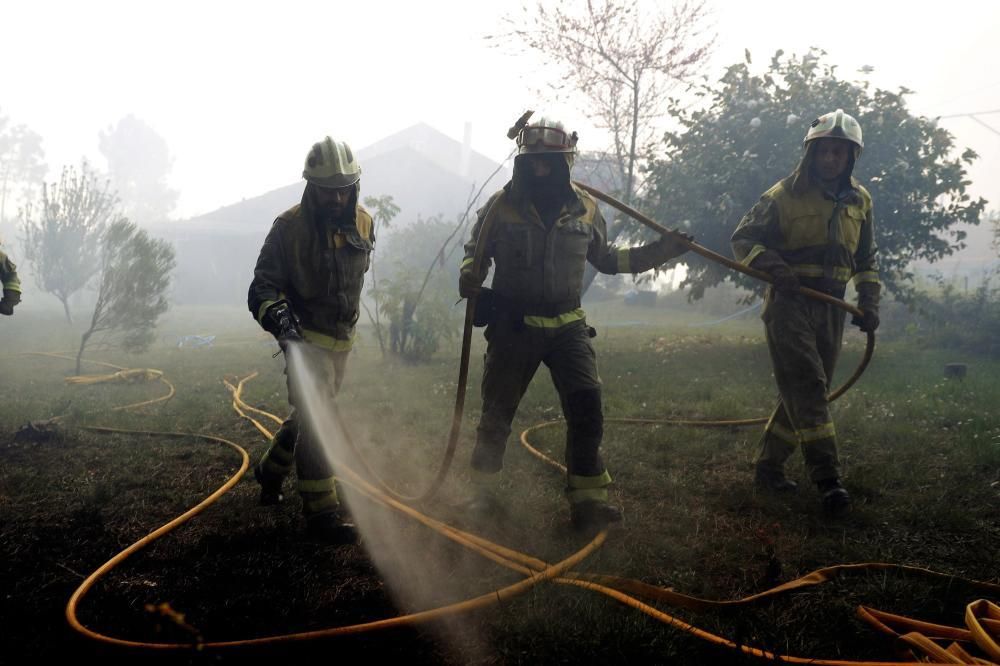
(835, 125)
(545, 135)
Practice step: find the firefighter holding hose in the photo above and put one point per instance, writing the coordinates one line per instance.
(813, 229)
(539, 232)
(306, 290)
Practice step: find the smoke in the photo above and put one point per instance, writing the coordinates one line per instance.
(422, 569)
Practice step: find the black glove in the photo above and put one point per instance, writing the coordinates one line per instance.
(868, 322)
(672, 245)
(286, 325)
(468, 285)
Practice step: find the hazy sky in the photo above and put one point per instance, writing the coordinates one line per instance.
(241, 90)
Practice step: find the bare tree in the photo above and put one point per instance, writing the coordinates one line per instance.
(624, 57)
(131, 295)
(61, 245)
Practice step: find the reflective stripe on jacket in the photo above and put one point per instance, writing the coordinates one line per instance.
(819, 238)
(540, 270)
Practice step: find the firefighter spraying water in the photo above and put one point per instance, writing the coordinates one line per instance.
(306, 291)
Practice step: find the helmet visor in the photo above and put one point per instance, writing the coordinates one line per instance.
(544, 137)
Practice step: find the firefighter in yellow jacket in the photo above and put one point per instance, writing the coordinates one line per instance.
(540, 230)
(11, 285)
(306, 289)
(814, 229)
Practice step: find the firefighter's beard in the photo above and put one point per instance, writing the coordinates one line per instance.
(334, 214)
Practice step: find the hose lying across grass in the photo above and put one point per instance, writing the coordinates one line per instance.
(982, 617)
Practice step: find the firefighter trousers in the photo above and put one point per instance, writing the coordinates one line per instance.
(513, 355)
(294, 444)
(804, 338)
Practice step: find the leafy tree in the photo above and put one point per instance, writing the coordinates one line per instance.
(383, 210)
(139, 163)
(131, 295)
(416, 333)
(62, 243)
(22, 165)
(748, 134)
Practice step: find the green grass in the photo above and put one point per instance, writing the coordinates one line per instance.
(921, 457)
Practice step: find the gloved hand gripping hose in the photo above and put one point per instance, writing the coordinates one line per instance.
(737, 266)
(286, 325)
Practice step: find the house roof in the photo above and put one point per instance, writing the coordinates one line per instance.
(425, 171)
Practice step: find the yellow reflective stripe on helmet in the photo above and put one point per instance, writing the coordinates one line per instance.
(584, 488)
(866, 276)
(555, 322)
(824, 431)
(327, 341)
(752, 254)
(841, 273)
(624, 264)
(316, 485)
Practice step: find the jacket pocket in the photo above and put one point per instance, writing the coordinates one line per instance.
(850, 227)
(515, 246)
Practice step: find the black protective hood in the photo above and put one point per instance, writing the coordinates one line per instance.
(524, 188)
(802, 178)
(311, 209)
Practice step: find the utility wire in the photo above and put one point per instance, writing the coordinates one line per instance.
(975, 117)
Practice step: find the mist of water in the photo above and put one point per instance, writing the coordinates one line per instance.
(422, 569)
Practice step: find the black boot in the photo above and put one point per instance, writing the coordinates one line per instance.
(773, 480)
(270, 493)
(593, 515)
(836, 500)
(331, 528)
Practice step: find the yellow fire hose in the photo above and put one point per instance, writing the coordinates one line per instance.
(487, 549)
(128, 375)
(982, 617)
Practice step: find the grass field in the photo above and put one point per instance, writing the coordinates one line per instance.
(920, 453)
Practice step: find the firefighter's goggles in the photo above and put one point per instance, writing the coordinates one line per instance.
(546, 137)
